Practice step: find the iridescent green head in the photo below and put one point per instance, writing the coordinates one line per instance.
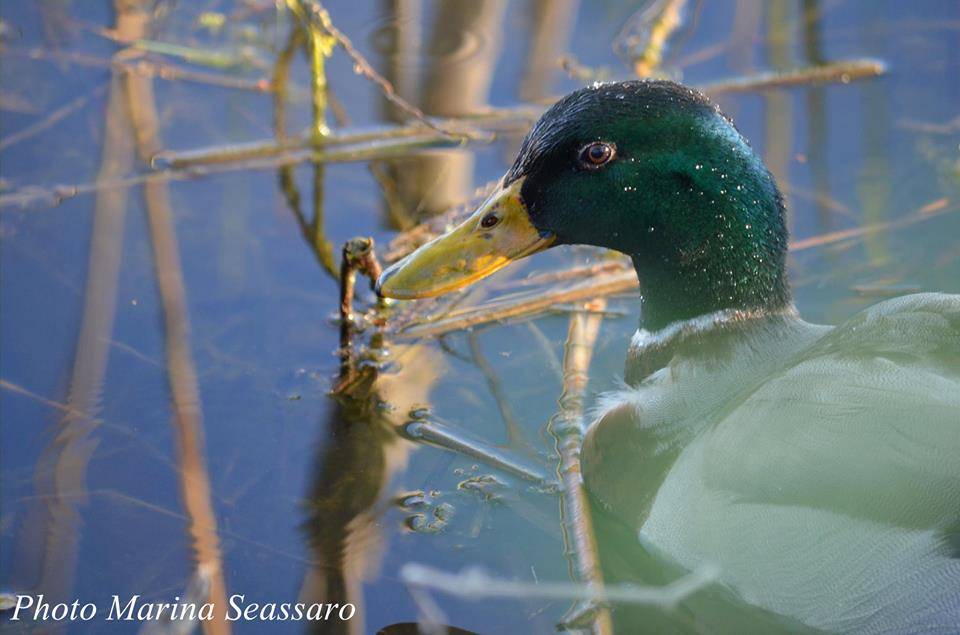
(648, 168)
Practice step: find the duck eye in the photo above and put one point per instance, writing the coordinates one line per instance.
(490, 220)
(593, 155)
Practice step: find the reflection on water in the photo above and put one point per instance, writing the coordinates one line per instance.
(353, 470)
(167, 347)
(450, 76)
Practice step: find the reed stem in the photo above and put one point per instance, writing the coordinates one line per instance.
(567, 428)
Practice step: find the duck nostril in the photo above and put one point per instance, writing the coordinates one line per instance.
(489, 221)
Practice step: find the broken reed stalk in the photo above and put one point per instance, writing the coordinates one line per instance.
(567, 428)
(358, 255)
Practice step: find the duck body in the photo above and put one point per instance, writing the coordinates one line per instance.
(818, 468)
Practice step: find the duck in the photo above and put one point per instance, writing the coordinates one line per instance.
(817, 468)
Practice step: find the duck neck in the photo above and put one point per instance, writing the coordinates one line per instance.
(734, 260)
(675, 292)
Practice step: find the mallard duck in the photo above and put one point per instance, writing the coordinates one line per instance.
(817, 467)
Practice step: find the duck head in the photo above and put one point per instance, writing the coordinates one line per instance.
(652, 169)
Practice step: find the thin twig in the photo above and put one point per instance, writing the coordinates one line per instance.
(146, 68)
(585, 271)
(515, 436)
(474, 584)
(947, 128)
(53, 118)
(930, 210)
(844, 71)
(56, 405)
(202, 57)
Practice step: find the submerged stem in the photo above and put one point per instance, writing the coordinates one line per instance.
(567, 429)
(450, 439)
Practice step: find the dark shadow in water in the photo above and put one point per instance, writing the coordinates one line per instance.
(349, 481)
(356, 462)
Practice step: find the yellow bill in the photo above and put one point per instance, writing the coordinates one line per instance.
(495, 235)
